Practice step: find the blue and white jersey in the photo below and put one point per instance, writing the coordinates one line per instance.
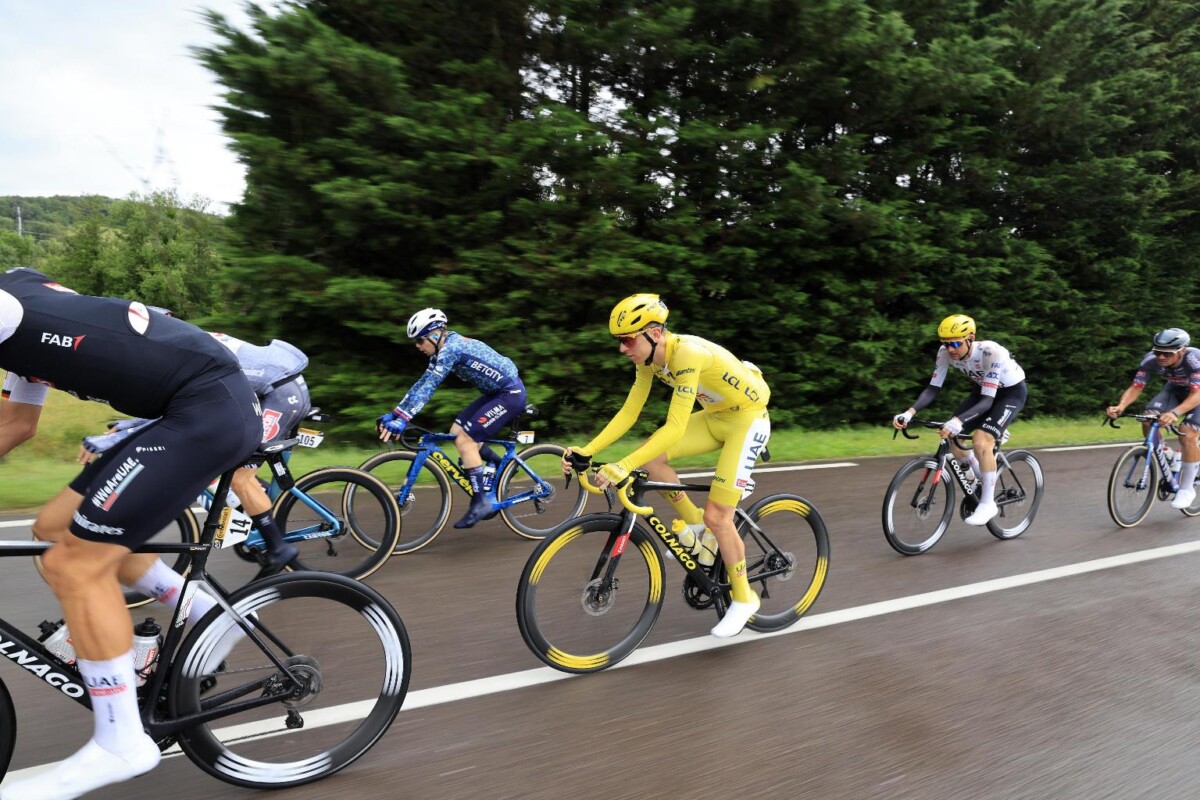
(469, 359)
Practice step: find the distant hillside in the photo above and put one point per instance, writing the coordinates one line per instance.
(47, 217)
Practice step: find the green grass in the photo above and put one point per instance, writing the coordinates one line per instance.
(37, 470)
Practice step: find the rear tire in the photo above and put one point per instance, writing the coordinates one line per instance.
(329, 546)
(533, 519)
(341, 639)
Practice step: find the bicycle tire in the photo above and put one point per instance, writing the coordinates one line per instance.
(533, 519)
(8, 729)
(413, 534)
(1132, 487)
(919, 504)
(326, 627)
(563, 608)
(1017, 509)
(319, 542)
(184, 529)
(804, 540)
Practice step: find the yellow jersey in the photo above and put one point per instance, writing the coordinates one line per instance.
(700, 372)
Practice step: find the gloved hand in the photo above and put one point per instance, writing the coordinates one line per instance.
(612, 473)
(391, 424)
(953, 427)
(568, 464)
(901, 420)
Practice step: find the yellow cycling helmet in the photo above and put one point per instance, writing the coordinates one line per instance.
(956, 326)
(636, 312)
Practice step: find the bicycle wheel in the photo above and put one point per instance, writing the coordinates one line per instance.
(787, 540)
(1131, 486)
(427, 506)
(183, 529)
(312, 517)
(917, 507)
(576, 609)
(344, 643)
(8, 729)
(533, 519)
(1018, 494)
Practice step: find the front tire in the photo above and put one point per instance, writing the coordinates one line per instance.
(426, 508)
(917, 506)
(576, 611)
(1132, 486)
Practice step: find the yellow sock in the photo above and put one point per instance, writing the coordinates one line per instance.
(685, 509)
(739, 587)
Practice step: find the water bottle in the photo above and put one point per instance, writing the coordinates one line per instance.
(57, 639)
(146, 644)
(708, 549)
(1176, 461)
(489, 475)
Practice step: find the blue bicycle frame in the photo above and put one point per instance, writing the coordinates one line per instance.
(1154, 444)
(429, 451)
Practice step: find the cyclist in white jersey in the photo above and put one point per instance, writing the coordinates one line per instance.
(1178, 402)
(998, 396)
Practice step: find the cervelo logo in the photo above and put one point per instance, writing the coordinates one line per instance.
(62, 340)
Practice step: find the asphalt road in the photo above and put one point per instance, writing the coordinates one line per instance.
(1063, 684)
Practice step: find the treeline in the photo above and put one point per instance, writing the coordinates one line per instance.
(813, 185)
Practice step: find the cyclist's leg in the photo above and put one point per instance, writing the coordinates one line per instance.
(283, 407)
(480, 421)
(138, 488)
(745, 434)
(1007, 405)
(697, 439)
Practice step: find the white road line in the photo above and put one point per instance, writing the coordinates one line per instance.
(1087, 447)
(481, 687)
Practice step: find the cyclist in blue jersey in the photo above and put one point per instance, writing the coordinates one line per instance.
(143, 365)
(503, 399)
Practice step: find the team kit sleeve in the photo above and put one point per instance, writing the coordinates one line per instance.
(686, 367)
(423, 389)
(620, 424)
(941, 365)
(1142, 376)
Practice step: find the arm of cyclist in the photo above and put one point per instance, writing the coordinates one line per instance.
(683, 399)
(1127, 398)
(620, 424)
(18, 424)
(926, 398)
(93, 446)
(393, 423)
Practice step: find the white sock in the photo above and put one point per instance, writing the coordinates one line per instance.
(113, 689)
(974, 462)
(1187, 474)
(987, 490)
(164, 585)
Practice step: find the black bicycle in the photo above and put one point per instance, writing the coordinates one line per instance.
(593, 588)
(920, 501)
(286, 681)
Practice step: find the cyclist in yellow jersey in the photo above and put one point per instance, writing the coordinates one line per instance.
(733, 419)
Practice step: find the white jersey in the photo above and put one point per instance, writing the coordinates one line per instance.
(989, 365)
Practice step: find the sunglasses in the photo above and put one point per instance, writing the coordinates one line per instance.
(1165, 353)
(954, 345)
(628, 341)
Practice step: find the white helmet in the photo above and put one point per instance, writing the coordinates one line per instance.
(424, 321)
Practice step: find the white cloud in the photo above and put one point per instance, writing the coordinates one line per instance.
(105, 98)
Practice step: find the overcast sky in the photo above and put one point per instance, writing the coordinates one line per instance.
(103, 97)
